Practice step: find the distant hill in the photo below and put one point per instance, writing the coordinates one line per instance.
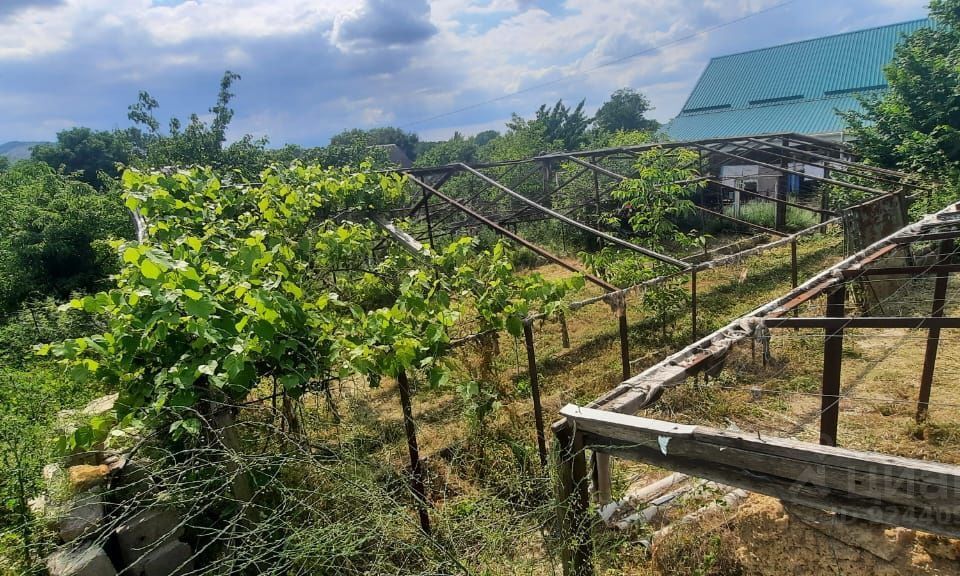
(16, 150)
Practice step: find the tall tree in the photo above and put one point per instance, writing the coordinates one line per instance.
(563, 127)
(625, 110)
(456, 149)
(197, 143)
(54, 229)
(406, 141)
(86, 153)
(916, 124)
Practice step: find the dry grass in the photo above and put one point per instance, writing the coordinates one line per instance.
(509, 486)
(508, 491)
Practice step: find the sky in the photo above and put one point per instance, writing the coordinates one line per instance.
(311, 68)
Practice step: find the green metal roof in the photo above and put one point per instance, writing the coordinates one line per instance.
(789, 88)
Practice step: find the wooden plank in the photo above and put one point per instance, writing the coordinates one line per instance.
(629, 428)
(905, 322)
(903, 270)
(788, 490)
(899, 491)
(405, 240)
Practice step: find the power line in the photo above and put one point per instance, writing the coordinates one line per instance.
(622, 59)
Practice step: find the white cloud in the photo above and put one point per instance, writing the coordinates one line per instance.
(373, 116)
(313, 67)
(35, 31)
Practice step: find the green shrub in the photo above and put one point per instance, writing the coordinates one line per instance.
(765, 213)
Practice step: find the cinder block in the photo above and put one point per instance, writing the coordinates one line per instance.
(89, 560)
(146, 531)
(171, 559)
(81, 516)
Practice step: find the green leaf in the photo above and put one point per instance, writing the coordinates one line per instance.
(209, 368)
(193, 242)
(131, 255)
(289, 382)
(293, 289)
(264, 329)
(515, 326)
(192, 294)
(150, 270)
(192, 426)
(199, 308)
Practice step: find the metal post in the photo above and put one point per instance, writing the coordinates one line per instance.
(426, 211)
(596, 195)
(794, 279)
(535, 391)
(780, 220)
(602, 483)
(564, 330)
(793, 262)
(933, 335)
(624, 335)
(832, 363)
(824, 195)
(573, 499)
(693, 303)
(547, 184)
(416, 466)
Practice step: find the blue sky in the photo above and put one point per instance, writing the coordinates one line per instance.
(311, 68)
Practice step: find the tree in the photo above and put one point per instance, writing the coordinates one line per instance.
(915, 125)
(456, 149)
(197, 143)
(406, 141)
(87, 153)
(562, 127)
(54, 233)
(625, 111)
(485, 137)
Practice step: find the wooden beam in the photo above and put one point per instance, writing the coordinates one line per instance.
(943, 268)
(573, 522)
(828, 323)
(832, 365)
(933, 336)
(928, 237)
(916, 494)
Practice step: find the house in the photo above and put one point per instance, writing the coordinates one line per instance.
(796, 87)
(395, 154)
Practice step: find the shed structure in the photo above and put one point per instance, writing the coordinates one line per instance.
(796, 87)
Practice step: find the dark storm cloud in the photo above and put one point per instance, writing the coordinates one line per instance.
(9, 7)
(386, 23)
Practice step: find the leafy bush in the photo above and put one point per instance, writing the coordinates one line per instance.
(54, 233)
(30, 400)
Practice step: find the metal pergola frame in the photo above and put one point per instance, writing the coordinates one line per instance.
(899, 491)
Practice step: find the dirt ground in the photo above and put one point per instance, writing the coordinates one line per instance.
(764, 537)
